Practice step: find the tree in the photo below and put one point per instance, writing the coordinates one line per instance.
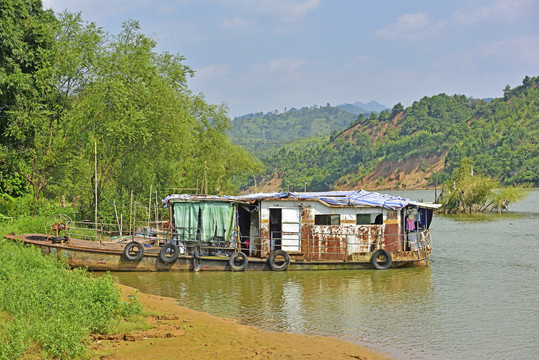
(86, 87)
(397, 108)
(150, 130)
(30, 99)
(469, 192)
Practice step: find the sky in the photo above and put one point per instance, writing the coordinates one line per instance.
(267, 55)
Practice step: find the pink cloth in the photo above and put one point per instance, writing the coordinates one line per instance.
(410, 224)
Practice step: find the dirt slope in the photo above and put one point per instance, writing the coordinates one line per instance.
(413, 173)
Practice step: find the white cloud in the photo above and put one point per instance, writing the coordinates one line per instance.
(97, 9)
(283, 66)
(212, 71)
(179, 33)
(518, 49)
(364, 59)
(236, 23)
(480, 11)
(283, 10)
(412, 27)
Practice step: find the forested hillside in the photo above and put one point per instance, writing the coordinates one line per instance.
(71, 93)
(265, 132)
(420, 145)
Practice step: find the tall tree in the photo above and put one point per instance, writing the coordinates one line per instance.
(26, 37)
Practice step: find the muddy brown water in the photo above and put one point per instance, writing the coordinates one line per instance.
(478, 299)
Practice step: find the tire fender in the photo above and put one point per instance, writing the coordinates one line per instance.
(384, 264)
(237, 256)
(272, 260)
(169, 249)
(135, 256)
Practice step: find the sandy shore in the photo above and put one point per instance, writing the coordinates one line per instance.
(181, 333)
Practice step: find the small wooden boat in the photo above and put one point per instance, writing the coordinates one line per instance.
(263, 231)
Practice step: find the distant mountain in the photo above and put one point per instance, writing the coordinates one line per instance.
(259, 133)
(353, 109)
(360, 108)
(356, 108)
(371, 106)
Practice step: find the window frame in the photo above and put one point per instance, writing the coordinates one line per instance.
(327, 219)
(372, 220)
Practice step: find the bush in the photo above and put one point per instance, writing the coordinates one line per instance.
(466, 192)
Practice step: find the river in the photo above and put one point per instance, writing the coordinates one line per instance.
(478, 299)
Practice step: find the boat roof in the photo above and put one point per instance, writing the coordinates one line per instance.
(355, 198)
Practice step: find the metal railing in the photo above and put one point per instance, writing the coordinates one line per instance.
(307, 245)
(313, 245)
(147, 232)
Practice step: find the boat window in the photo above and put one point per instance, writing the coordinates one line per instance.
(327, 219)
(369, 219)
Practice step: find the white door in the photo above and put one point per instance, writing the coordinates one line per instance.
(291, 234)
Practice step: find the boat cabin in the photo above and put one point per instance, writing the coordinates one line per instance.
(335, 226)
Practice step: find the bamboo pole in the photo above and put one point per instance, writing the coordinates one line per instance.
(156, 208)
(149, 209)
(95, 186)
(117, 220)
(131, 212)
(205, 178)
(134, 220)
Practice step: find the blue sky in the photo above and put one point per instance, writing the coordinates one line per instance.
(265, 55)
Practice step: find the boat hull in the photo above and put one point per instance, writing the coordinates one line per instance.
(104, 256)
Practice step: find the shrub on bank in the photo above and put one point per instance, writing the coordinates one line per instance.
(47, 308)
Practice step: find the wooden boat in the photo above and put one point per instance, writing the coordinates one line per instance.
(263, 231)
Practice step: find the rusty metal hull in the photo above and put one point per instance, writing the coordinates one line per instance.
(106, 256)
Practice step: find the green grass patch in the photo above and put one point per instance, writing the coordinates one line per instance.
(46, 307)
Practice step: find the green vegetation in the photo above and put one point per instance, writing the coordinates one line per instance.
(48, 310)
(500, 136)
(67, 87)
(471, 193)
(317, 163)
(261, 133)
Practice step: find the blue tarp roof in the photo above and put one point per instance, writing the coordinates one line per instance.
(359, 198)
(344, 198)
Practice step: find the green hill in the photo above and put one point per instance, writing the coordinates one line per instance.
(258, 134)
(422, 144)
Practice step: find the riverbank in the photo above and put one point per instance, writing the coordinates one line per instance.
(181, 333)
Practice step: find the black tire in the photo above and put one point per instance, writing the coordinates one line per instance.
(133, 251)
(384, 264)
(169, 253)
(59, 239)
(275, 264)
(232, 261)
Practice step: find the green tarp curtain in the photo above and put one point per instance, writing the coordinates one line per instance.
(216, 219)
(186, 220)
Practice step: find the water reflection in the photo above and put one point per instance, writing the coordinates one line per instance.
(355, 305)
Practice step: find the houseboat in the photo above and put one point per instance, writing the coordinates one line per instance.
(262, 231)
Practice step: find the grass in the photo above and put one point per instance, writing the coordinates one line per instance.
(48, 310)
